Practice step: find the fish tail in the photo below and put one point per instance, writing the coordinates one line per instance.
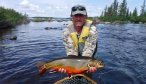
(41, 67)
(42, 70)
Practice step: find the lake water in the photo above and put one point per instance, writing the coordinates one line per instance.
(121, 47)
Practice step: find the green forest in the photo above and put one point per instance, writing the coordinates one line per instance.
(119, 12)
(10, 18)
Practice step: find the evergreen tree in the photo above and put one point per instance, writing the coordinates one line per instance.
(105, 13)
(134, 16)
(115, 10)
(143, 9)
(127, 14)
(143, 12)
(122, 10)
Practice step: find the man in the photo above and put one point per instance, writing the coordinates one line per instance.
(80, 37)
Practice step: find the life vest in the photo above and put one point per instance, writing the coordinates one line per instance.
(83, 36)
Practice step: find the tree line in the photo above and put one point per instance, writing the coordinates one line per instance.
(9, 17)
(120, 12)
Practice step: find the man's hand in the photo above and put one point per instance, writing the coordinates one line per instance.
(62, 70)
(91, 69)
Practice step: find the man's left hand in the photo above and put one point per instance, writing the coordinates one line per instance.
(91, 69)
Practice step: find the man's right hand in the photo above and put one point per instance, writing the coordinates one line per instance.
(62, 70)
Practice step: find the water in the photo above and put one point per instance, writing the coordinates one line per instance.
(122, 48)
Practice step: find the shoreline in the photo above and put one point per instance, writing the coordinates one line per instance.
(5, 25)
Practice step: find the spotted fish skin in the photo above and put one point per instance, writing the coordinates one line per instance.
(72, 65)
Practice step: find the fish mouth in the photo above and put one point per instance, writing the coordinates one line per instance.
(97, 63)
(100, 63)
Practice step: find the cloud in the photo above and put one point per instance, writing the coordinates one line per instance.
(25, 4)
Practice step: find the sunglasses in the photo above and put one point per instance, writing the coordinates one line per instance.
(78, 8)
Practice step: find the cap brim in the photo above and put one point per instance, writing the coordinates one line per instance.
(79, 12)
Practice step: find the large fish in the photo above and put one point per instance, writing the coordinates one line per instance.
(72, 65)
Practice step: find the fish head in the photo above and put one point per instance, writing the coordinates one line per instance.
(96, 63)
(92, 63)
(99, 64)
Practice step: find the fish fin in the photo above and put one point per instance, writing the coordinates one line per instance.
(69, 75)
(86, 71)
(53, 70)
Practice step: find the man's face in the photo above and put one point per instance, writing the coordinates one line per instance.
(79, 20)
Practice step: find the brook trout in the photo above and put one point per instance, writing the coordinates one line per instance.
(72, 65)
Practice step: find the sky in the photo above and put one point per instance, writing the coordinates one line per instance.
(62, 8)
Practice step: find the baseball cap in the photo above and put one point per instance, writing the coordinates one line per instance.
(78, 9)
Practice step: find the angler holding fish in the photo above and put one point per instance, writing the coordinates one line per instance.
(80, 37)
(80, 40)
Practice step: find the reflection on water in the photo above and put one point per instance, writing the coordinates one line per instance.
(122, 48)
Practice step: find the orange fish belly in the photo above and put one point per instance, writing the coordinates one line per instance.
(72, 70)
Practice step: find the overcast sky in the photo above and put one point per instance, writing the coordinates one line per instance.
(62, 8)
